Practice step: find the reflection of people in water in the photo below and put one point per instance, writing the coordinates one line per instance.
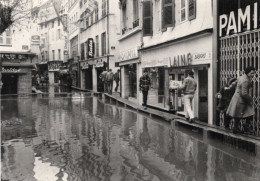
(145, 138)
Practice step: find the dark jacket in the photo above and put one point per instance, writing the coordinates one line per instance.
(144, 83)
(226, 95)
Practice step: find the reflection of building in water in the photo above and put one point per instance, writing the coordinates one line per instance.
(17, 162)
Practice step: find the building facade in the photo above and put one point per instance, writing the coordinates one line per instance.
(99, 33)
(53, 42)
(177, 37)
(130, 42)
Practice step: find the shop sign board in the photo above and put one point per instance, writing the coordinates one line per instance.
(174, 84)
(54, 65)
(181, 60)
(90, 48)
(13, 58)
(84, 65)
(202, 56)
(99, 63)
(35, 39)
(157, 62)
(11, 70)
(128, 55)
(66, 43)
(239, 20)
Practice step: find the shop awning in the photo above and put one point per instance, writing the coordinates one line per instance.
(199, 66)
(64, 71)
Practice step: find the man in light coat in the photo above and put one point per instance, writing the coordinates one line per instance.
(241, 105)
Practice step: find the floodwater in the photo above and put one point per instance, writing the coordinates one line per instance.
(77, 137)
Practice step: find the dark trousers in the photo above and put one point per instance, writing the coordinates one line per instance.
(145, 94)
(246, 126)
(117, 84)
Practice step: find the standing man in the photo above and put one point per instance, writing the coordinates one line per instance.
(189, 87)
(103, 79)
(241, 105)
(144, 84)
(109, 80)
(117, 79)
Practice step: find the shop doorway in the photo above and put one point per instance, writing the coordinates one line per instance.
(10, 82)
(203, 95)
(88, 79)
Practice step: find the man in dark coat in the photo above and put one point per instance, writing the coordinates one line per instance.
(241, 105)
(117, 79)
(144, 85)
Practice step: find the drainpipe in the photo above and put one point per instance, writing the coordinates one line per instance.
(108, 49)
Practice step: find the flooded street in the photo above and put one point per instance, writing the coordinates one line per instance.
(77, 137)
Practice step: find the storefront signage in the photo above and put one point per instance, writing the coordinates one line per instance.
(54, 66)
(14, 58)
(240, 20)
(128, 55)
(90, 48)
(174, 84)
(181, 60)
(157, 62)
(84, 65)
(35, 38)
(10, 70)
(99, 63)
(66, 43)
(202, 56)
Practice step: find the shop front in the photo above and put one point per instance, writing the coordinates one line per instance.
(239, 32)
(54, 71)
(16, 72)
(168, 66)
(87, 75)
(99, 65)
(129, 62)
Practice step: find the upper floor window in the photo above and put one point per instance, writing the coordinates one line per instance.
(103, 44)
(168, 13)
(147, 18)
(58, 22)
(53, 54)
(136, 9)
(6, 38)
(104, 8)
(59, 54)
(52, 25)
(97, 46)
(96, 14)
(184, 10)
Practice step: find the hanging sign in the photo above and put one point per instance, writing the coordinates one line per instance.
(90, 48)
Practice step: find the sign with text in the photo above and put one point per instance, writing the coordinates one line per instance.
(174, 84)
(128, 55)
(202, 56)
(244, 18)
(157, 62)
(54, 65)
(84, 65)
(90, 48)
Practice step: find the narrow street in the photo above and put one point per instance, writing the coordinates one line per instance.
(76, 136)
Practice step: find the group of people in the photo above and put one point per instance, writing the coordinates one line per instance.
(40, 79)
(108, 77)
(235, 101)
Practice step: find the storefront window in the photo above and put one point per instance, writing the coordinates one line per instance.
(132, 80)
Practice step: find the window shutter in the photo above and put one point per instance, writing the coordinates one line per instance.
(147, 18)
(192, 9)
(168, 14)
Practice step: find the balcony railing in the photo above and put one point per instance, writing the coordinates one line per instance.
(136, 23)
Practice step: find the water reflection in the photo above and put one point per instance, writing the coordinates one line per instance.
(78, 137)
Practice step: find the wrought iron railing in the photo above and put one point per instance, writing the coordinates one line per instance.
(236, 53)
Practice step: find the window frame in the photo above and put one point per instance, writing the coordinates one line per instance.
(164, 6)
(186, 10)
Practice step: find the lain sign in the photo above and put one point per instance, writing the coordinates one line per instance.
(236, 21)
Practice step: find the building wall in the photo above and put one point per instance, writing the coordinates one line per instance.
(203, 20)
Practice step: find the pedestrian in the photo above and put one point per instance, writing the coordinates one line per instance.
(69, 82)
(102, 76)
(224, 97)
(144, 85)
(109, 80)
(189, 87)
(241, 105)
(117, 79)
(38, 79)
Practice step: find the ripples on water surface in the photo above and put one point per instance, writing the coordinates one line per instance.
(80, 138)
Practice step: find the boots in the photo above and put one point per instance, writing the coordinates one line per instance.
(236, 129)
